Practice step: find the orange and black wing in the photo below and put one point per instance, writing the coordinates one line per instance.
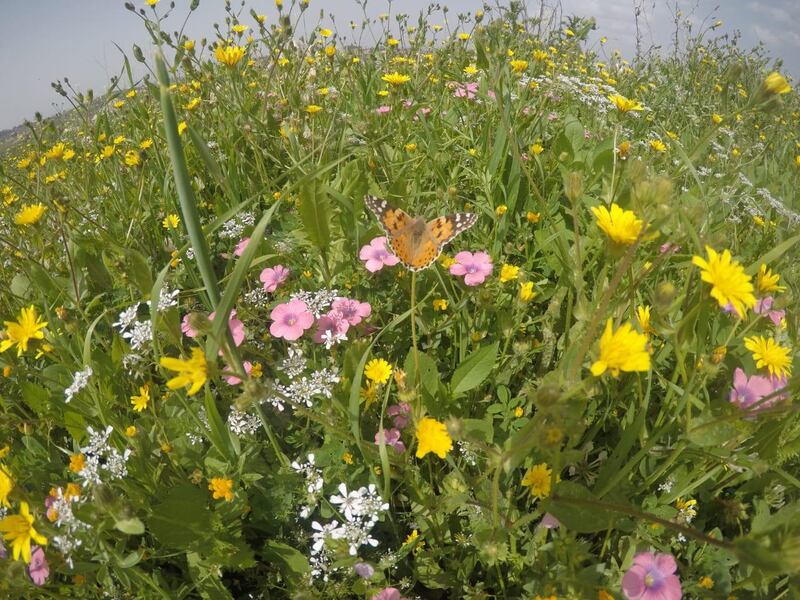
(392, 220)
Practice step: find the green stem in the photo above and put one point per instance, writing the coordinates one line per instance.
(414, 330)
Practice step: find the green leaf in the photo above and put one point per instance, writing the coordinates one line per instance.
(293, 563)
(314, 209)
(131, 526)
(581, 517)
(773, 255)
(36, 397)
(474, 370)
(182, 520)
(218, 433)
(428, 374)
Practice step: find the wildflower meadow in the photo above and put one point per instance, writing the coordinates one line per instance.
(416, 307)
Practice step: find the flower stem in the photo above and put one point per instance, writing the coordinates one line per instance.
(414, 330)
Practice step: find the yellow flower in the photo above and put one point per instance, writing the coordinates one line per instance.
(145, 144)
(151, 2)
(624, 104)
(440, 304)
(620, 225)
(540, 55)
(239, 28)
(6, 485)
(141, 401)
(261, 19)
(729, 283)
(537, 149)
(132, 158)
(501, 210)
(463, 36)
(229, 55)
(643, 316)
(378, 370)
(182, 127)
(188, 45)
(410, 147)
(518, 65)
(192, 372)
(775, 83)
(526, 291)
(538, 480)
(508, 273)
(222, 488)
(658, 145)
(706, 582)
(347, 457)
(77, 462)
(767, 281)
(30, 214)
(395, 78)
(519, 411)
(325, 33)
(279, 4)
(621, 350)
(716, 119)
(313, 109)
(470, 69)
(171, 221)
(392, 42)
(604, 595)
(131, 431)
(26, 328)
(432, 436)
(767, 353)
(18, 529)
(192, 104)
(411, 538)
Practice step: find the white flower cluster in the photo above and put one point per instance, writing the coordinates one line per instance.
(301, 389)
(242, 422)
(100, 456)
(166, 299)
(317, 302)
(592, 92)
(666, 485)
(197, 436)
(67, 541)
(234, 228)
(138, 333)
(258, 297)
(361, 509)
(314, 483)
(80, 380)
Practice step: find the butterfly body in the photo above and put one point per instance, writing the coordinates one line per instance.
(414, 241)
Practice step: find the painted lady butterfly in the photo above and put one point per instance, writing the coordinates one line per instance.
(416, 243)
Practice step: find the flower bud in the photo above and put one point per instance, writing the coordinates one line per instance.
(573, 186)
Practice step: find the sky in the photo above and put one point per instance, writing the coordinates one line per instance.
(45, 40)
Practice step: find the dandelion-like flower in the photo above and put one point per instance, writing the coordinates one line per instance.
(768, 353)
(767, 281)
(141, 400)
(19, 530)
(538, 480)
(192, 372)
(229, 55)
(27, 327)
(775, 83)
(622, 350)
(222, 488)
(432, 436)
(378, 370)
(624, 104)
(395, 78)
(621, 226)
(729, 283)
(30, 214)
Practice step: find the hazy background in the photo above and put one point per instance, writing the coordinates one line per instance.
(45, 40)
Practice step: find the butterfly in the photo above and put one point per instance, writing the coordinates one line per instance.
(416, 243)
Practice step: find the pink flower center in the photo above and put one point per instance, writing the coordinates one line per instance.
(471, 269)
(291, 320)
(649, 580)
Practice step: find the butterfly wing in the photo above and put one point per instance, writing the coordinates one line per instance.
(437, 233)
(392, 220)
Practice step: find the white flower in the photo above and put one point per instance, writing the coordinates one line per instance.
(349, 503)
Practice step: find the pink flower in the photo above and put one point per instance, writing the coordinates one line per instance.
(748, 391)
(273, 277)
(399, 414)
(475, 268)
(764, 306)
(290, 320)
(730, 309)
(234, 324)
(549, 522)
(389, 593)
(668, 247)
(352, 311)
(652, 578)
(376, 256)
(240, 247)
(423, 111)
(552, 116)
(466, 90)
(233, 379)
(331, 329)
(38, 568)
(391, 437)
(382, 110)
(408, 103)
(364, 570)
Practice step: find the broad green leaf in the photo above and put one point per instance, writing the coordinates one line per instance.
(132, 526)
(182, 520)
(474, 370)
(314, 209)
(584, 516)
(292, 562)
